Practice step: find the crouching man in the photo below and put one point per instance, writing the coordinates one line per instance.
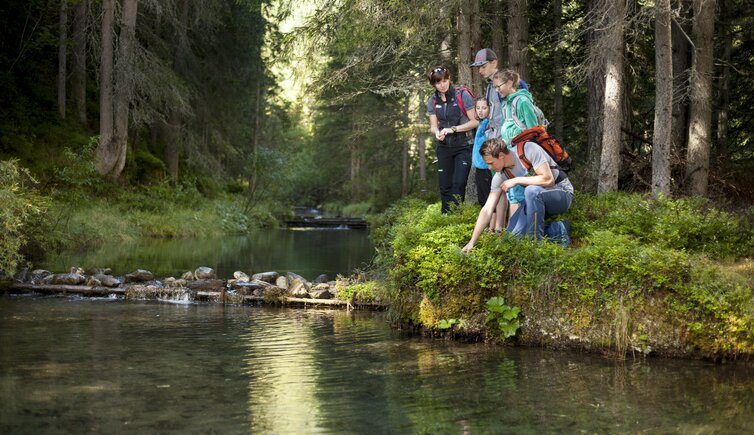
(547, 191)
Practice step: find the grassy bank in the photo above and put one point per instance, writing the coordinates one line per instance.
(75, 209)
(668, 277)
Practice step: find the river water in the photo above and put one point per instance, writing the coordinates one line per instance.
(111, 366)
(307, 252)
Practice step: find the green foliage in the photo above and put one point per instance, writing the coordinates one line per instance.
(505, 316)
(446, 323)
(618, 264)
(360, 291)
(19, 206)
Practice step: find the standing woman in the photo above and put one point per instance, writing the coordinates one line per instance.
(452, 119)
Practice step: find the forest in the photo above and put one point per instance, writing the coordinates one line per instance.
(128, 107)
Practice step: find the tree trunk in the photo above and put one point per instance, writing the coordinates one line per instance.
(663, 101)
(557, 12)
(724, 89)
(106, 156)
(697, 157)
(476, 23)
(518, 37)
(611, 136)
(62, 49)
(497, 30)
(124, 76)
(464, 44)
(404, 151)
(79, 60)
(422, 150)
(596, 14)
(681, 63)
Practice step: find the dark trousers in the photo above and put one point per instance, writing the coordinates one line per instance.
(483, 179)
(453, 166)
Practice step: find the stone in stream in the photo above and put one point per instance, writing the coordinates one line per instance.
(321, 291)
(204, 272)
(64, 279)
(207, 285)
(139, 291)
(77, 270)
(251, 287)
(241, 277)
(37, 275)
(100, 271)
(93, 282)
(321, 279)
(139, 275)
(266, 276)
(297, 286)
(188, 276)
(107, 280)
(282, 282)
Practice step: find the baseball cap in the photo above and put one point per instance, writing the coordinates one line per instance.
(483, 56)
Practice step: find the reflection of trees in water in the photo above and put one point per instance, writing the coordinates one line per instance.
(308, 253)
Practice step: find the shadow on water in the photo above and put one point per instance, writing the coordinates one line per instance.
(78, 365)
(306, 252)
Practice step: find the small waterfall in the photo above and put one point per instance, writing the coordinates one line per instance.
(166, 294)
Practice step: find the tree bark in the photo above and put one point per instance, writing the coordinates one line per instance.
(724, 89)
(697, 157)
(62, 54)
(124, 80)
(78, 80)
(596, 14)
(663, 101)
(106, 157)
(404, 151)
(422, 149)
(497, 31)
(681, 63)
(611, 136)
(464, 44)
(518, 37)
(557, 12)
(476, 23)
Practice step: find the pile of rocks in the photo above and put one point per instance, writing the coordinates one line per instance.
(142, 284)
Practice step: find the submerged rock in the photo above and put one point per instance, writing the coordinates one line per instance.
(100, 271)
(139, 275)
(204, 272)
(248, 288)
(266, 276)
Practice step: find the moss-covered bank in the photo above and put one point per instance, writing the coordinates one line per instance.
(664, 277)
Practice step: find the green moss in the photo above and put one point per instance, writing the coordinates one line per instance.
(637, 265)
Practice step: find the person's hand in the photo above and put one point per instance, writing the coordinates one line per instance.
(440, 135)
(508, 184)
(469, 246)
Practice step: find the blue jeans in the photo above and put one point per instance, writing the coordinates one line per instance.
(540, 202)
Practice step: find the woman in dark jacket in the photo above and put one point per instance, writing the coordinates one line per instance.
(452, 120)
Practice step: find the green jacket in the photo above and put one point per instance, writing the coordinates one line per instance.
(524, 112)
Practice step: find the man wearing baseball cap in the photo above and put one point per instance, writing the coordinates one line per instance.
(486, 60)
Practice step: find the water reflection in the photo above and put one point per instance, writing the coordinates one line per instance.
(103, 366)
(308, 253)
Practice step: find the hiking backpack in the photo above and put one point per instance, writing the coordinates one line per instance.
(459, 98)
(541, 119)
(552, 147)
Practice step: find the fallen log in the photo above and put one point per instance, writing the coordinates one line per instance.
(64, 288)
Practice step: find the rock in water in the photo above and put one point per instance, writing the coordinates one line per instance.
(67, 279)
(282, 282)
(107, 280)
(188, 276)
(204, 272)
(266, 276)
(321, 279)
(139, 275)
(241, 277)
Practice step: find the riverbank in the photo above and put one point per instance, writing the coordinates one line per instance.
(668, 278)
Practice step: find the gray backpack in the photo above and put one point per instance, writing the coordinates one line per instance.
(541, 119)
